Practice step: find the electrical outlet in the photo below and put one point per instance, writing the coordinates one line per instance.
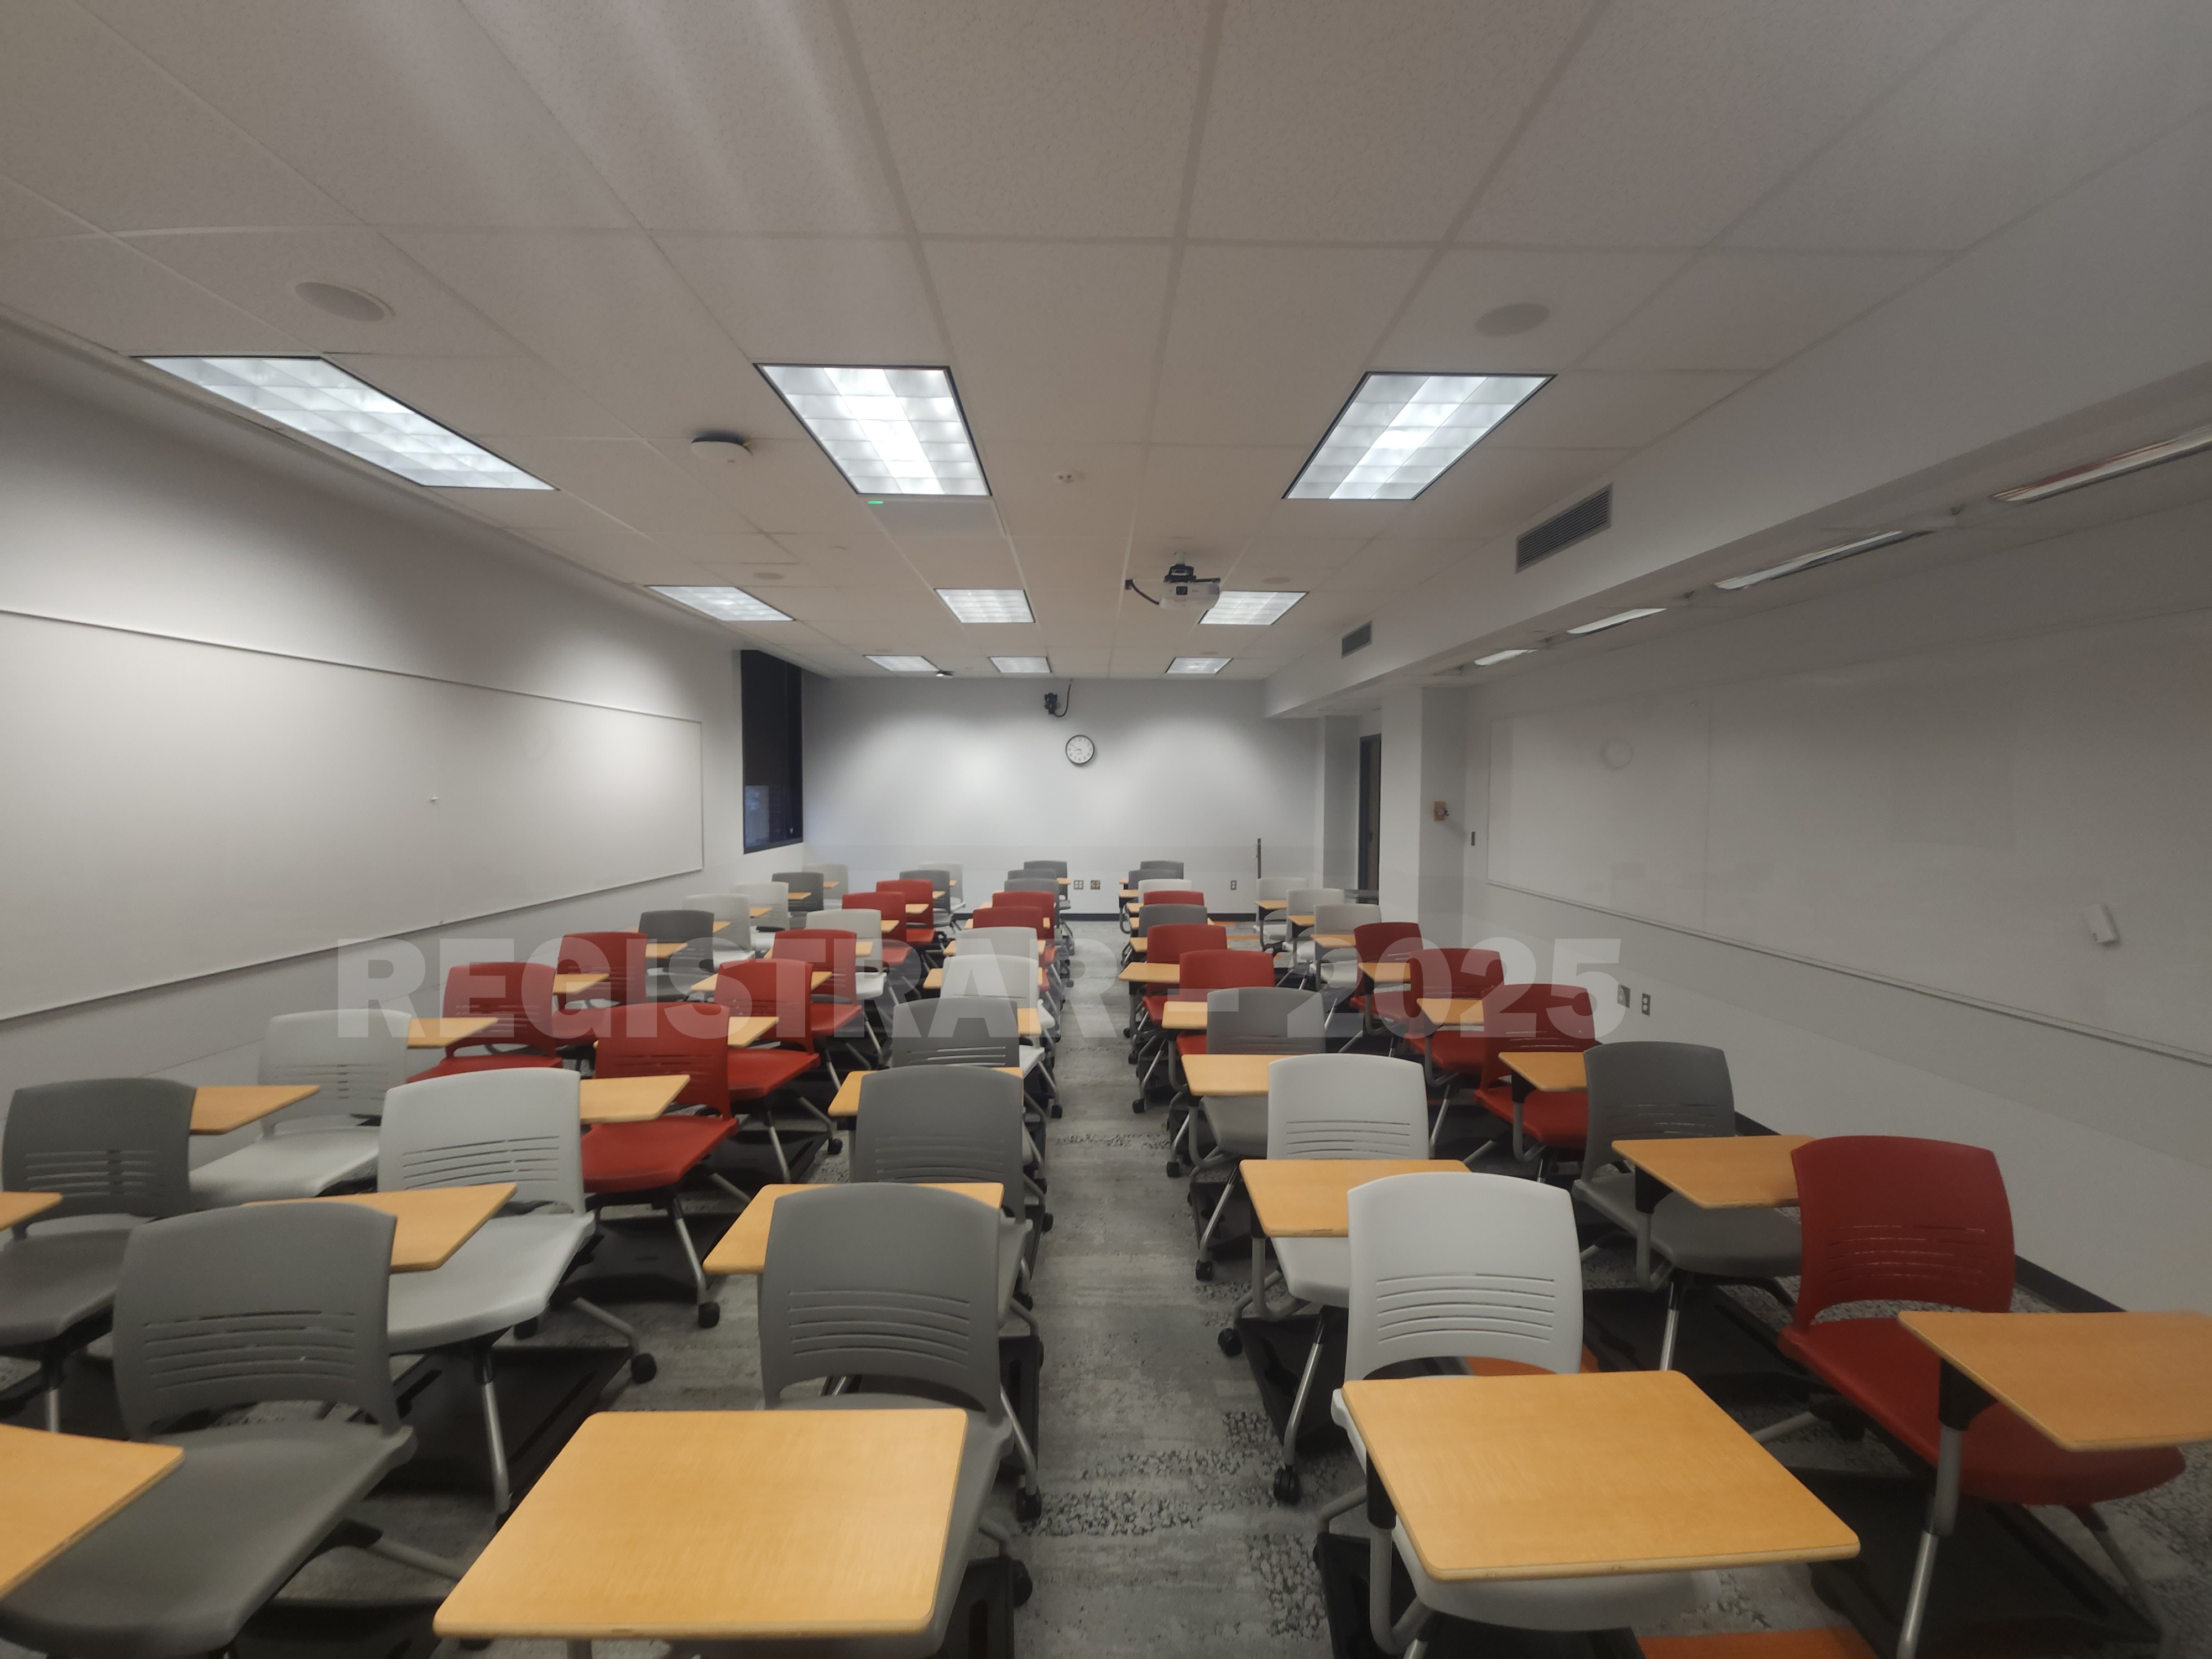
(1647, 1002)
(1094, 886)
(1232, 886)
(1621, 991)
(1471, 838)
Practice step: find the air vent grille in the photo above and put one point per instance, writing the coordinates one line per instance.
(1356, 640)
(1585, 518)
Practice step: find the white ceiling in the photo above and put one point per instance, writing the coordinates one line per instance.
(1156, 241)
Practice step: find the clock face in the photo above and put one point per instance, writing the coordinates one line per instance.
(1080, 749)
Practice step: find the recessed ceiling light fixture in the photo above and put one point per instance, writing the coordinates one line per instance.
(907, 664)
(1198, 664)
(1604, 623)
(890, 431)
(1502, 656)
(336, 299)
(1818, 557)
(1022, 665)
(723, 604)
(2112, 466)
(1249, 608)
(1398, 432)
(987, 605)
(322, 400)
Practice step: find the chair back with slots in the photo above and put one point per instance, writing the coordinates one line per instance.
(111, 1145)
(482, 1127)
(1654, 1091)
(1346, 1106)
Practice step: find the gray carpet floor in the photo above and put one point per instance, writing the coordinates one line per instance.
(1159, 1533)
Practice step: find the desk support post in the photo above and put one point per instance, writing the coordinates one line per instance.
(1959, 1400)
(1393, 1637)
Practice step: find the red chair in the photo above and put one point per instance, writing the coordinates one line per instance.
(1886, 1218)
(1385, 941)
(891, 907)
(621, 956)
(1519, 1019)
(1209, 969)
(920, 924)
(834, 1013)
(1172, 896)
(530, 1029)
(1452, 975)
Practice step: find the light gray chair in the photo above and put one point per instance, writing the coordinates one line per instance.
(1277, 888)
(1010, 979)
(871, 983)
(352, 1056)
(734, 942)
(837, 882)
(112, 1147)
(1244, 1019)
(845, 1268)
(1659, 1090)
(1448, 1267)
(520, 1126)
(213, 1312)
(1336, 971)
(1296, 956)
(771, 893)
(802, 889)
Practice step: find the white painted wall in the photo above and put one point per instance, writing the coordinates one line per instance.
(2106, 1145)
(123, 507)
(900, 772)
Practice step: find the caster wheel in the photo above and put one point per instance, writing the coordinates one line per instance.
(835, 1147)
(1287, 1486)
(1024, 1586)
(710, 1315)
(643, 1368)
(1205, 1268)
(1028, 1506)
(1044, 1222)
(1138, 1104)
(1230, 1343)
(1055, 1108)
(1175, 1170)
(526, 1330)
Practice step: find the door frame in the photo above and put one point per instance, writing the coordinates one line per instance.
(1369, 836)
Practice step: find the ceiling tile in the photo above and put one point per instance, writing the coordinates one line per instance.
(487, 397)
(1098, 497)
(1671, 120)
(949, 562)
(1588, 294)
(256, 269)
(103, 291)
(401, 109)
(1365, 124)
(1394, 567)
(1750, 311)
(1077, 569)
(533, 510)
(1054, 341)
(706, 116)
(733, 552)
(610, 313)
(623, 478)
(1054, 119)
(1079, 663)
(2032, 99)
(1307, 521)
(1494, 491)
(623, 554)
(1267, 343)
(1584, 408)
(25, 215)
(814, 300)
(1211, 498)
(1281, 561)
(161, 156)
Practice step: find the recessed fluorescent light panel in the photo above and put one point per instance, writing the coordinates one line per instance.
(1250, 609)
(1198, 664)
(2110, 467)
(1502, 656)
(1822, 556)
(1400, 432)
(724, 604)
(325, 402)
(1604, 623)
(905, 664)
(1022, 665)
(891, 431)
(987, 605)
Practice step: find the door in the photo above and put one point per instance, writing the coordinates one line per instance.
(1371, 813)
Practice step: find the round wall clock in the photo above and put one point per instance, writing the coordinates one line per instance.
(1080, 749)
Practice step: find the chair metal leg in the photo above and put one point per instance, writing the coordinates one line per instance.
(1406, 1635)
(1299, 1400)
(1437, 1129)
(1206, 1238)
(1674, 1323)
(1344, 1505)
(593, 1311)
(422, 1560)
(1787, 1425)
(2088, 1518)
(776, 1143)
(1020, 1443)
(494, 1437)
(1942, 1516)
(702, 1292)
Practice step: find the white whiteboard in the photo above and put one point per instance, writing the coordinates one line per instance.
(174, 809)
(1940, 821)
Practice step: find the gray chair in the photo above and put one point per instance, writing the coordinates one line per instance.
(1662, 1090)
(234, 1308)
(770, 896)
(837, 882)
(1150, 916)
(112, 1147)
(871, 983)
(1278, 889)
(352, 1056)
(956, 1031)
(1154, 867)
(1245, 1019)
(1296, 955)
(1336, 970)
(802, 889)
(845, 1267)
(672, 981)
(479, 1127)
(733, 942)
(940, 881)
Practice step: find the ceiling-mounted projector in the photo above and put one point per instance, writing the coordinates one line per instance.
(1181, 589)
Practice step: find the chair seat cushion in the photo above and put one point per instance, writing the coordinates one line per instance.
(829, 1018)
(52, 1281)
(1557, 1117)
(754, 1072)
(455, 1065)
(1634, 1599)
(1192, 1043)
(869, 985)
(1724, 1243)
(1890, 1374)
(300, 1164)
(1156, 1008)
(1462, 1052)
(1317, 1269)
(180, 1570)
(1238, 1123)
(641, 1158)
(503, 1275)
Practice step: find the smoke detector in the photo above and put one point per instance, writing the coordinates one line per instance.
(724, 447)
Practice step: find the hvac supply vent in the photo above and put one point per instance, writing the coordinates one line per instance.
(1584, 518)
(1356, 640)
